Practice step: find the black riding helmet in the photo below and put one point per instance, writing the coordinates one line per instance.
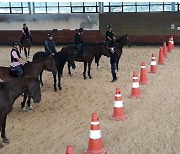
(24, 24)
(15, 43)
(49, 35)
(80, 30)
(109, 26)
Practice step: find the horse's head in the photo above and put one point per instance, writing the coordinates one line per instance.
(27, 41)
(50, 64)
(123, 40)
(34, 90)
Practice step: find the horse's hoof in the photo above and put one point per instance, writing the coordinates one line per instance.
(23, 109)
(1, 145)
(90, 77)
(85, 78)
(55, 89)
(30, 107)
(5, 140)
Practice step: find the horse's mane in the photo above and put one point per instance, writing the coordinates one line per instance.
(38, 60)
(13, 82)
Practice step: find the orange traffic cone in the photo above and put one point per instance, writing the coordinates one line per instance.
(143, 75)
(118, 113)
(70, 149)
(135, 93)
(165, 50)
(161, 56)
(153, 68)
(170, 47)
(95, 143)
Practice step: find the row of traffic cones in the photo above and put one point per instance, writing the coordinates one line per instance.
(95, 145)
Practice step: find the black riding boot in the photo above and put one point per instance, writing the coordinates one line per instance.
(114, 77)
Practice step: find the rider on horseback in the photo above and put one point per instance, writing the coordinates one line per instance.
(109, 37)
(49, 45)
(26, 32)
(78, 41)
(17, 61)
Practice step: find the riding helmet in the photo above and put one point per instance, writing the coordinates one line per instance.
(24, 24)
(50, 35)
(80, 30)
(15, 43)
(109, 26)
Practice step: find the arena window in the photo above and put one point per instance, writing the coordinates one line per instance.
(14, 7)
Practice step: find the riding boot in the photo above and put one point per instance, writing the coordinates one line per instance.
(114, 77)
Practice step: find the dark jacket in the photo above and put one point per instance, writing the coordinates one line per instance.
(26, 31)
(78, 39)
(12, 58)
(49, 47)
(110, 34)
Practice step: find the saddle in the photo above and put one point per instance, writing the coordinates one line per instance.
(78, 56)
(14, 73)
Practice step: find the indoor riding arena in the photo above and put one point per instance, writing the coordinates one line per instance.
(136, 113)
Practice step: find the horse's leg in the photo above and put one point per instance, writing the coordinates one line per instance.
(30, 107)
(28, 51)
(40, 78)
(23, 102)
(59, 80)
(25, 52)
(54, 75)
(1, 119)
(85, 68)
(3, 134)
(89, 69)
(97, 58)
(69, 69)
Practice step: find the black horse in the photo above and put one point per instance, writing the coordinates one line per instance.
(26, 45)
(9, 92)
(60, 58)
(119, 44)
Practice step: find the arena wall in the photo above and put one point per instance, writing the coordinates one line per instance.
(142, 28)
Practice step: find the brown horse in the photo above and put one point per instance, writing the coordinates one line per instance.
(9, 92)
(87, 56)
(33, 69)
(119, 44)
(26, 45)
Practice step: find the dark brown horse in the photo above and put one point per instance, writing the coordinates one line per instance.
(119, 44)
(26, 45)
(87, 56)
(9, 92)
(33, 69)
(60, 58)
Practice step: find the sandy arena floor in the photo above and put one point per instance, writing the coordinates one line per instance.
(63, 118)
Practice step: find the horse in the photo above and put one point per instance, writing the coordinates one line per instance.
(119, 44)
(9, 92)
(33, 69)
(60, 58)
(86, 56)
(26, 45)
